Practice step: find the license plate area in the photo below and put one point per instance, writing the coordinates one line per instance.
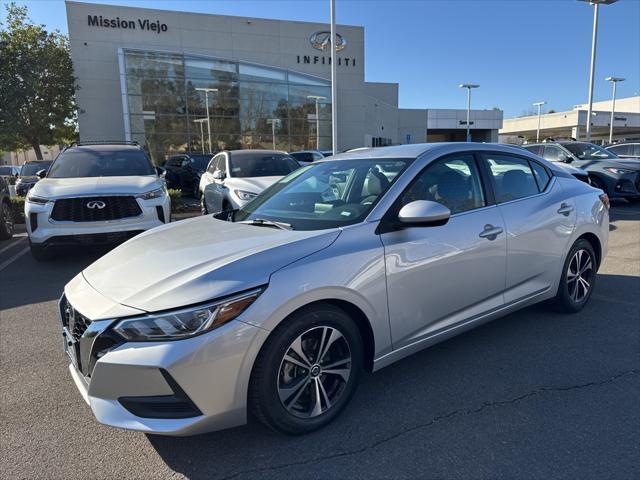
(71, 347)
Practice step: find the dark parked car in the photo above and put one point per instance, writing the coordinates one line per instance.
(184, 171)
(617, 177)
(305, 157)
(6, 213)
(28, 176)
(9, 170)
(625, 150)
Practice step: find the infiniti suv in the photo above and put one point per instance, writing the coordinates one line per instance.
(348, 264)
(95, 193)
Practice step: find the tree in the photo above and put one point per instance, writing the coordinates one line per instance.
(37, 86)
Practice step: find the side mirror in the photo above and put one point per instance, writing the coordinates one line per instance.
(424, 213)
(161, 171)
(41, 173)
(218, 175)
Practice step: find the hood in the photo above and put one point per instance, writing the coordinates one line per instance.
(27, 179)
(251, 184)
(197, 260)
(95, 186)
(630, 163)
(570, 169)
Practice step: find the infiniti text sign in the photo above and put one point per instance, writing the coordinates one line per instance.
(141, 23)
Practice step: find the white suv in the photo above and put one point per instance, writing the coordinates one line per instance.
(95, 193)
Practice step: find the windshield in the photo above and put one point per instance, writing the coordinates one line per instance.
(588, 151)
(30, 169)
(200, 162)
(261, 164)
(101, 163)
(325, 195)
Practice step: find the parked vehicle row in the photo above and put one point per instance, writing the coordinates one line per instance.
(625, 150)
(184, 171)
(345, 265)
(6, 212)
(617, 177)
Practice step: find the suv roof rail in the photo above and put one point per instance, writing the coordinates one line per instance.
(104, 142)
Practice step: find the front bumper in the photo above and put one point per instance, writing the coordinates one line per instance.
(42, 230)
(181, 387)
(625, 186)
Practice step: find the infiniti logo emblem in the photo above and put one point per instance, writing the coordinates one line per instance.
(321, 41)
(96, 204)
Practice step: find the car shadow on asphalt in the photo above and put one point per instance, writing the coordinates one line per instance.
(52, 276)
(433, 392)
(623, 210)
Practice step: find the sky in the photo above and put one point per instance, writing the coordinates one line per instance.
(519, 51)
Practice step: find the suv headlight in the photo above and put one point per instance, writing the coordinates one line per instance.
(243, 195)
(157, 193)
(185, 323)
(618, 171)
(37, 200)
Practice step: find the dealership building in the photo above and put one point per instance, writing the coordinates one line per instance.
(176, 81)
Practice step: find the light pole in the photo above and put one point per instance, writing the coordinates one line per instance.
(273, 122)
(615, 81)
(201, 121)
(594, 38)
(468, 86)
(206, 102)
(334, 81)
(317, 98)
(539, 105)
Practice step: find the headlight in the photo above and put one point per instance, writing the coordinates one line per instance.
(158, 192)
(187, 322)
(618, 171)
(242, 195)
(37, 200)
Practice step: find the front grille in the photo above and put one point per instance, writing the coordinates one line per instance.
(109, 238)
(94, 209)
(75, 322)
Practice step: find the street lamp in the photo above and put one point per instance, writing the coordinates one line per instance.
(274, 122)
(334, 79)
(317, 98)
(468, 86)
(206, 102)
(201, 121)
(615, 81)
(539, 105)
(596, 5)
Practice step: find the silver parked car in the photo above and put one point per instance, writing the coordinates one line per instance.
(347, 264)
(233, 178)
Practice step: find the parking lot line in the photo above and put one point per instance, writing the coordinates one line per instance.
(6, 263)
(12, 244)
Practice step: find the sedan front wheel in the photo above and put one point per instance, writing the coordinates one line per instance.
(307, 370)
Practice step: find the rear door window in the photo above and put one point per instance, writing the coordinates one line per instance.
(513, 177)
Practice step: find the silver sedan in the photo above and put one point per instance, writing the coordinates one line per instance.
(346, 265)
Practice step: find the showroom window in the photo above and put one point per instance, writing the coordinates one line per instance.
(179, 103)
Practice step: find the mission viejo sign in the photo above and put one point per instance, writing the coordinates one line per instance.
(142, 23)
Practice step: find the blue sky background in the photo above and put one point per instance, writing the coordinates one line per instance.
(519, 51)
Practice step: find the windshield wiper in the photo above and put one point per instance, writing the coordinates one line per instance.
(261, 222)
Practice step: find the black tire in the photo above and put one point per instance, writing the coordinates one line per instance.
(6, 221)
(597, 183)
(196, 190)
(40, 253)
(572, 295)
(315, 325)
(203, 206)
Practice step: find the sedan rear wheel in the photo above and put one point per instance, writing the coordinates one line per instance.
(579, 275)
(307, 370)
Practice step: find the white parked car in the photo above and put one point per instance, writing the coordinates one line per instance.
(233, 178)
(95, 194)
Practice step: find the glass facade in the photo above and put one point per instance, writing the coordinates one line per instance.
(249, 106)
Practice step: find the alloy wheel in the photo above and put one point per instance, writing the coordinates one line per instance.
(314, 372)
(579, 275)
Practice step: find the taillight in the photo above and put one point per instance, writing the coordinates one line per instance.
(604, 198)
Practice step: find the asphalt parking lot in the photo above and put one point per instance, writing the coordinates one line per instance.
(533, 395)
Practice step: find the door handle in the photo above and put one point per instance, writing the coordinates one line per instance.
(490, 232)
(565, 209)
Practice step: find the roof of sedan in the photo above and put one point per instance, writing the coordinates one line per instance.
(415, 150)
